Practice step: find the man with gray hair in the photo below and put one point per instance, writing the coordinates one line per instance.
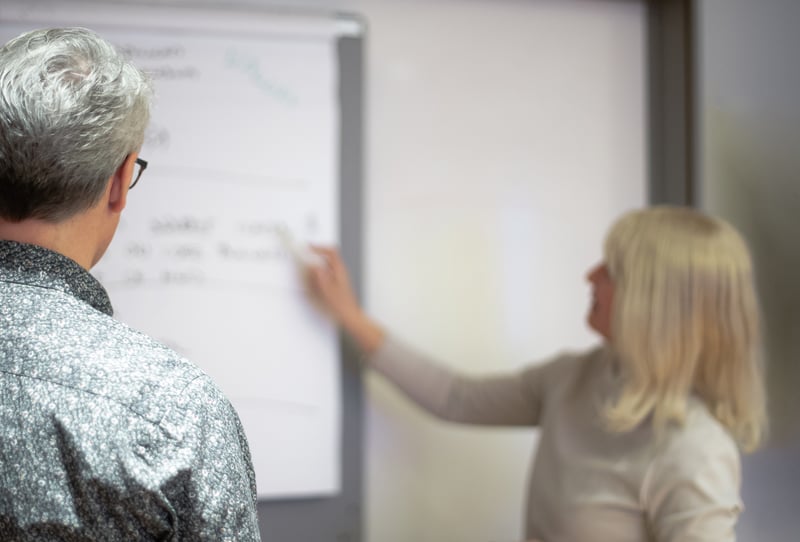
(105, 434)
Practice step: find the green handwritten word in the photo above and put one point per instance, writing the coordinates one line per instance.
(250, 66)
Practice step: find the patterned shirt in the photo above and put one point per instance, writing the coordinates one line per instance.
(105, 434)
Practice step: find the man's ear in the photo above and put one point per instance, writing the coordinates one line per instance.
(119, 183)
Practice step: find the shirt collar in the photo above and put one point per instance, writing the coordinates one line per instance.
(33, 265)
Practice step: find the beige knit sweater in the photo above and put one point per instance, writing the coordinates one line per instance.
(589, 484)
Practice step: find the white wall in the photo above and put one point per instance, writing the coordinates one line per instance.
(502, 138)
(749, 108)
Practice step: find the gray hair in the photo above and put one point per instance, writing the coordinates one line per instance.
(72, 108)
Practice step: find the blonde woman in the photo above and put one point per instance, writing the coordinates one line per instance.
(640, 436)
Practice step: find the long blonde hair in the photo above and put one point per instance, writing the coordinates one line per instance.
(685, 321)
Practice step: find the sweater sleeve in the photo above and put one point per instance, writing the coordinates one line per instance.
(692, 493)
(515, 399)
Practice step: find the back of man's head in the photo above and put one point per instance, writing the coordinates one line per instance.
(72, 109)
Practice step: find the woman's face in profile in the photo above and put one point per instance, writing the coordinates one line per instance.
(599, 317)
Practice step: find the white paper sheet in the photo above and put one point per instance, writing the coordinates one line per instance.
(243, 141)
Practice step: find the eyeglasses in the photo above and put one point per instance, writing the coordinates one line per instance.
(142, 166)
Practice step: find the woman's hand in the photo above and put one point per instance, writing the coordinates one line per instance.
(329, 284)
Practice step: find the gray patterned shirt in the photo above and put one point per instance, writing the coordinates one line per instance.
(105, 434)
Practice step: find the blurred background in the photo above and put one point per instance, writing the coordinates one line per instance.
(748, 121)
